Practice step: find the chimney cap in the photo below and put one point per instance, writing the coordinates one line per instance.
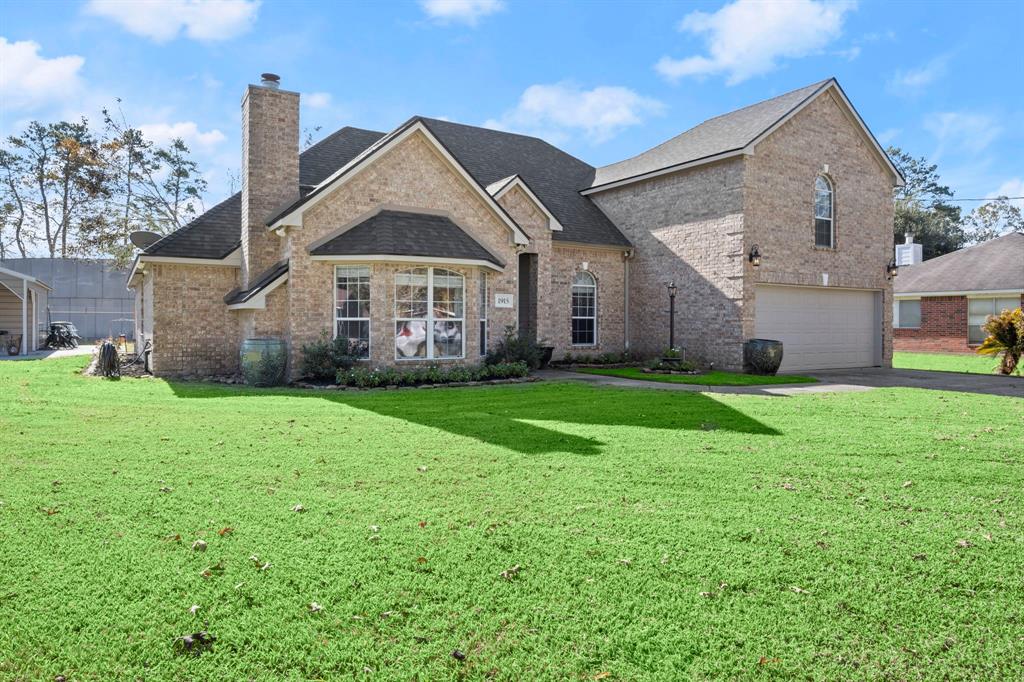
(270, 80)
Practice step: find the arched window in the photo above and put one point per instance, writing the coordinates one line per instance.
(584, 309)
(824, 234)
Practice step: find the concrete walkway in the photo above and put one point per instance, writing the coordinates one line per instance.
(832, 381)
(51, 354)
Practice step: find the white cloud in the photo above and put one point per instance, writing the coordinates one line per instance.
(888, 135)
(1014, 187)
(28, 80)
(163, 20)
(850, 53)
(912, 81)
(462, 11)
(961, 131)
(162, 133)
(317, 100)
(553, 111)
(747, 37)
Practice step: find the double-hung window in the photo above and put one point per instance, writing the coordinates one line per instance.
(483, 313)
(824, 234)
(429, 314)
(352, 306)
(907, 314)
(978, 310)
(584, 309)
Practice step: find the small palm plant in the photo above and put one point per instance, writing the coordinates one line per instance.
(1005, 337)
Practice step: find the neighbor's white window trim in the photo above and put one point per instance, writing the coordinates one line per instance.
(896, 312)
(430, 319)
(368, 320)
(593, 317)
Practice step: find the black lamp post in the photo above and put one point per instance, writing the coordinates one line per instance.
(672, 315)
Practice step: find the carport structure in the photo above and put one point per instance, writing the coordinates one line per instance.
(23, 300)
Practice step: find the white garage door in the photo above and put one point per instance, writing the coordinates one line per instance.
(820, 328)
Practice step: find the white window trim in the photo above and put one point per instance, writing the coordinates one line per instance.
(572, 317)
(832, 212)
(368, 320)
(430, 319)
(896, 312)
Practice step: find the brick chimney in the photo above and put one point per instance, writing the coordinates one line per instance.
(270, 169)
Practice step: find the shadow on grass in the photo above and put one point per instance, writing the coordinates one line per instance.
(512, 416)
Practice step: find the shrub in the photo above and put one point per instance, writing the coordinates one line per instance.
(364, 377)
(514, 347)
(324, 358)
(1005, 337)
(660, 365)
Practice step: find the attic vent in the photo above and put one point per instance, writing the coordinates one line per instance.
(270, 80)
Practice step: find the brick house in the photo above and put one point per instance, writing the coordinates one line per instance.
(426, 242)
(940, 304)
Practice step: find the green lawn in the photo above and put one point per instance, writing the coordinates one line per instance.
(714, 378)
(946, 362)
(660, 535)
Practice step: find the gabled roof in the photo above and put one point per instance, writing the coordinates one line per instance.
(727, 135)
(995, 265)
(405, 233)
(217, 233)
(264, 281)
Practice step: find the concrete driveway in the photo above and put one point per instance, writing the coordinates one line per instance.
(832, 381)
(877, 377)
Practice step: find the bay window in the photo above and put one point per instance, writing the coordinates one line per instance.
(429, 314)
(352, 307)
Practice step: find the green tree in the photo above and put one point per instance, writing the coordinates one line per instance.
(921, 207)
(993, 219)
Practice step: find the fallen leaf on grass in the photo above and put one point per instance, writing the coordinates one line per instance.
(192, 609)
(422, 470)
(225, 531)
(510, 573)
(764, 660)
(907, 484)
(421, 560)
(211, 571)
(626, 562)
(788, 486)
(165, 489)
(315, 608)
(964, 544)
(199, 546)
(173, 538)
(920, 557)
(298, 508)
(194, 644)
(423, 524)
(49, 511)
(798, 590)
(458, 655)
(602, 675)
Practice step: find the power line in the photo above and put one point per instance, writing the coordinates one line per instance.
(987, 199)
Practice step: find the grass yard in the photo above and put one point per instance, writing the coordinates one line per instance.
(946, 362)
(714, 378)
(659, 535)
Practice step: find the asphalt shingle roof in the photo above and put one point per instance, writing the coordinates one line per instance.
(402, 233)
(217, 233)
(725, 133)
(995, 265)
(264, 279)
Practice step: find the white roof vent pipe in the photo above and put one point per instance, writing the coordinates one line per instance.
(270, 80)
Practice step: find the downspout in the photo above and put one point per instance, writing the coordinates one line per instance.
(626, 256)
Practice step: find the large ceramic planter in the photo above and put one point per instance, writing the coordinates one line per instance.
(263, 361)
(762, 356)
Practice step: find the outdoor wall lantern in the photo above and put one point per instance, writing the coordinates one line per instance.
(755, 256)
(892, 269)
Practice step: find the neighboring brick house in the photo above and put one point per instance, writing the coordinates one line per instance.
(941, 304)
(425, 243)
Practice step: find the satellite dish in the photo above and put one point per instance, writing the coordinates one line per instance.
(144, 239)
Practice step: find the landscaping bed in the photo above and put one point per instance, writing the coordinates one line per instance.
(709, 378)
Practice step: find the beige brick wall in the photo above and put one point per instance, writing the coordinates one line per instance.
(779, 208)
(608, 268)
(686, 227)
(411, 175)
(193, 331)
(270, 171)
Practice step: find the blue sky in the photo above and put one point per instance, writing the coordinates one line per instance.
(603, 80)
